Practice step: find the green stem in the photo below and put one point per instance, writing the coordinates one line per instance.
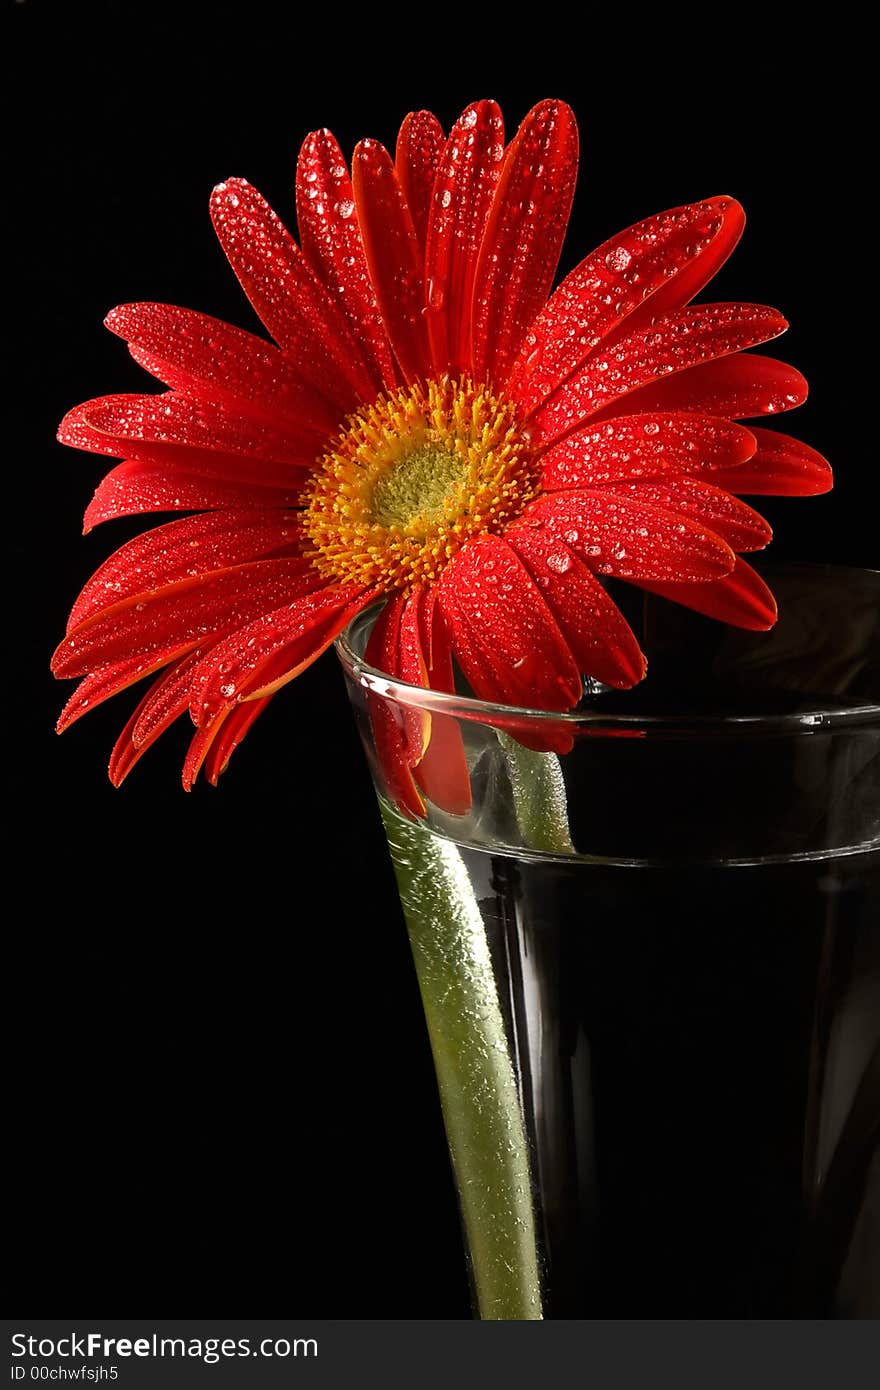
(478, 1089)
(539, 797)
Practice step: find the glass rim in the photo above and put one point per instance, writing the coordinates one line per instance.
(488, 712)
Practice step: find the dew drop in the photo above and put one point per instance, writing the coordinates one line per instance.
(559, 563)
(618, 259)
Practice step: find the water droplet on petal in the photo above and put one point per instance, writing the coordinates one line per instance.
(559, 563)
(618, 259)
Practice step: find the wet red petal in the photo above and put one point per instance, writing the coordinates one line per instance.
(739, 387)
(331, 240)
(101, 685)
(610, 284)
(267, 652)
(696, 272)
(674, 344)
(124, 755)
(168, 459)
(166, 697)
(202, 742)
(167, 621)
(180, 434)
(740, 526)
(741, 598)
(384, 640)
(419, 147)
(524, 235)
(206, 357)
(642, 446)
(182, 550)
(287, 294)
(460, 201)
(393, 255)
(600, 640)
(412, 668)
(630, 539)
(394, 648)
(234, 728)
(77, 434)
(175, 420)
(782, 467)
(392, 725)
(135, 487)
(505, 637)
(442, 774)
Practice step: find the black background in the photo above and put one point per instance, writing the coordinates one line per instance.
(222, 1100)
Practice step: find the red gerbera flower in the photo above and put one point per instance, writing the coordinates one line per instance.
(430, 427)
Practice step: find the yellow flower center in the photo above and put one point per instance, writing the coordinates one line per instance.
(414, 476)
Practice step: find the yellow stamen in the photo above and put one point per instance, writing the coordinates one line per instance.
(414, 476)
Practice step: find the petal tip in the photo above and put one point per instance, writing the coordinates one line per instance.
(115, 319)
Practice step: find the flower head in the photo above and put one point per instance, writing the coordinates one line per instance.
(433, 427)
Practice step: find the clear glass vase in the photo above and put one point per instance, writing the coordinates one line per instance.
(650, 966)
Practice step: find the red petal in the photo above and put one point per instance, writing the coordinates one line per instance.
(442, 773)
(676, 343)
(381, 649)
(725, 516)
(124, 755)
(600, 640)
(77, 434)
(166, 696)
(409, 628)
(741, 598)
(642, 446)
(505, 637)
(331, 239)
(412, 668)
(168, 699)
(101, 685)
(174, 420)
(696, 272)
(168, 621)
(200, 747)
(203, 356)
(135, 487)
(393, 255)
(389, 722)
(419, 147)
(168, 459)
(287, 294)
(394, 648)
(462, 196)
(782, 467)
(177, 433)
(266, 653)
(234, 728)
(627, 271)
(738, 387)
(630, 539)
(524, 236)
(183, 550)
